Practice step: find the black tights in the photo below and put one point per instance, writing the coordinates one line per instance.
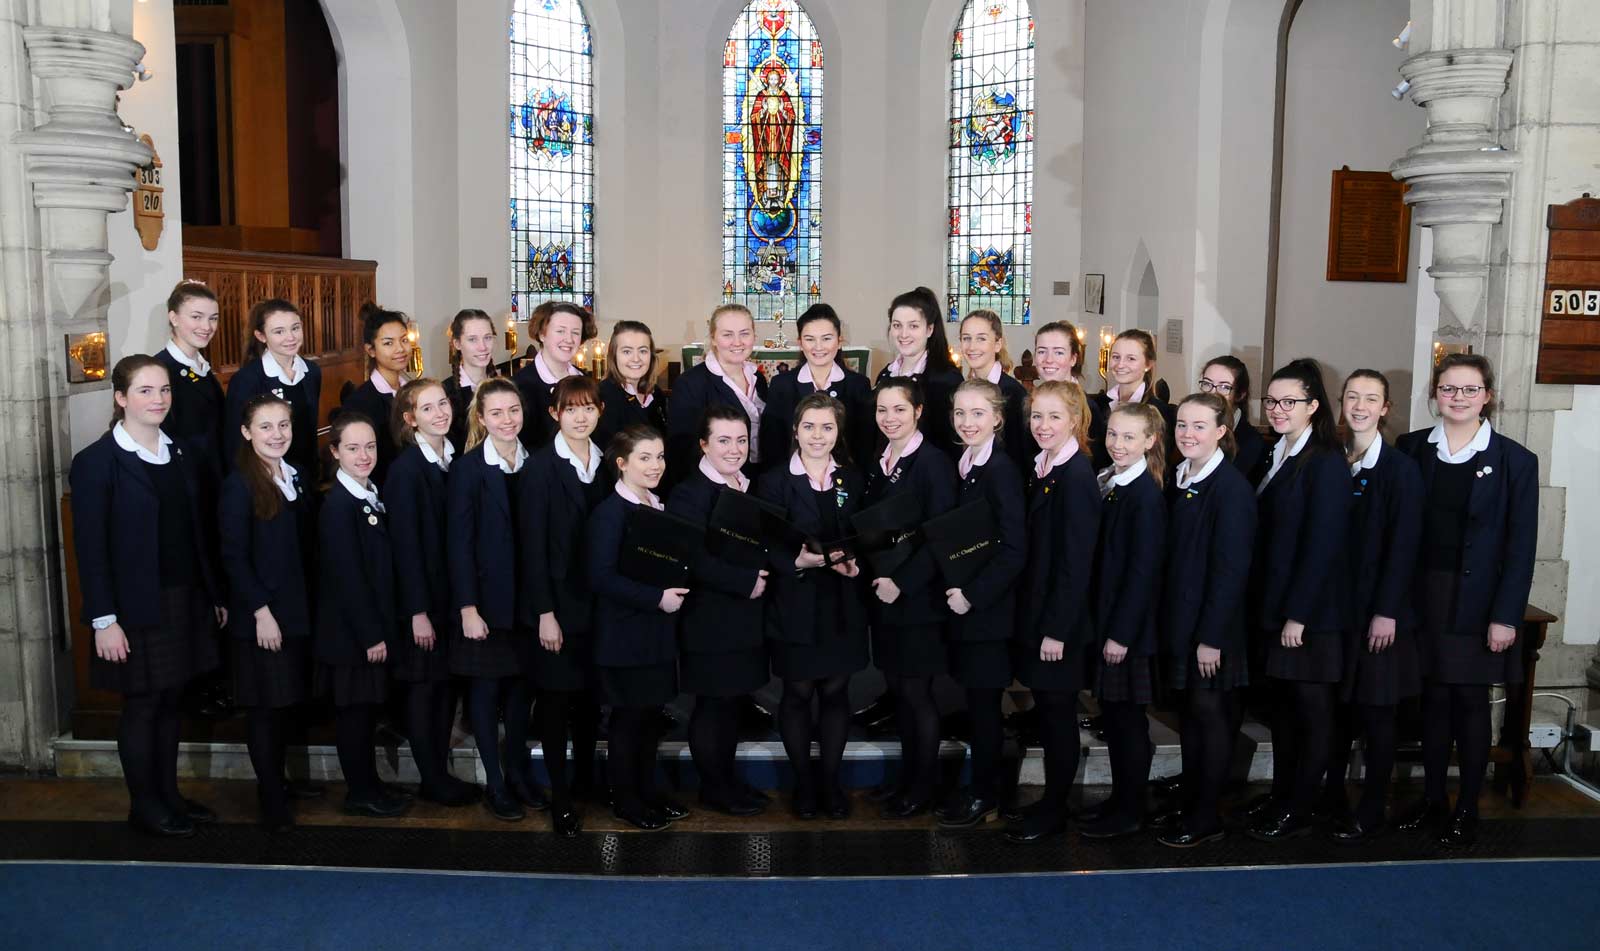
(1376, 725)
(267, 740)
(988, 740)
(428, 716)
(563, 714)
(353, 729)
(486, 699)
(714, 743)
(1128, 745)
(1209, 727)
(147, 744)
(1302, 737)
(918, 720)
(1459, 714)
(831, 728)
(631, 757)
(1058, 730)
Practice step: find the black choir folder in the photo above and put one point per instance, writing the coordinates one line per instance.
(658, 549)
(963, 541)
(887, 532)
(744, 530)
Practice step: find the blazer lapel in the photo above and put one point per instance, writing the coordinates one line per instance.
(1489, 471)
(805, 502)
(1041, 491)
(130, 464)
(496, 481)
(568, 477)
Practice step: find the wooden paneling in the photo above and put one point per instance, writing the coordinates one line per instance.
(1369, 228)
(1569, 331)
(250, 238)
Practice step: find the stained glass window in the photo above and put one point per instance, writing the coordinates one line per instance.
(552, 154)
(990, 257)
(772, 161)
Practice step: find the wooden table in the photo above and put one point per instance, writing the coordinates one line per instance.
(1512, 756)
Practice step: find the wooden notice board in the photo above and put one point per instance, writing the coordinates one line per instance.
(1369, 228)
(1569, 334)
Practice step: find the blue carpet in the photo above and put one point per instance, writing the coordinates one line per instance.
(1456, 905)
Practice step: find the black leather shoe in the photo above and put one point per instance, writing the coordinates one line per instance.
(1095, 812)
(671, 809)
(397, 791)
(381, 808)
(1111, 826)
(740, 807)
(886, 792)
(304, 789)
(195, 812)
(1352, 831)
(171, 826)
(903, 807)
(503, 806)
(1461, 832)
(1181, 838)
(1422, 816)
(1168, 821)
(527, 793)
(1261, 808)
(1277, 828)
(836, 804)
(1167, 785)
(752, 793)
(643, 819)
(1020, 811)
(804, 804)
(565, 823)
(1040, 825)
(972, 811)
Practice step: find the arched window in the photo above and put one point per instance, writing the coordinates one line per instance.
(990, 257)
(552, 154)
(772, 161)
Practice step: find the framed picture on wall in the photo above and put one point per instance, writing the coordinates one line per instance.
(1094, 293)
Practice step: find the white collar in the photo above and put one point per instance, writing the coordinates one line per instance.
(710, 472)
(200, 365)
(1114, 389)
(125, 440)
(912, 445)
(1185, 480)
(835, 374)
(586, 473)
(284, 480)
(1110, 478)
(466, 381)
(492, 457)
(747, 368)
(796, 467)
(975, 456)
(368, 495)
(995, 373)
(382, 385)
(433, 457)
(748, 398)
(633, 390)
(897, 366)
(1042, 464)
(1282, 452)
(1370, 457)
(1480, 442)
(274, 370)
(649, 497)
(547, 374)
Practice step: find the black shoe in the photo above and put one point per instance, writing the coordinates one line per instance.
(1181, 838)
(754, 794)
(1167, 786)
(1095, 812)
(903, 807)
(1352, 831)
(1168, 821)
(886, 792)
(565, 823)
(739, 807)
(396, 791)
(836, 805)
(1422, 815)
(382, 807)
(971, 811)
(671, 809)
(527, 793)
(1277, 828)
(642, 818)
(503, 806)
(804, 804)
(1111, 826)
(1021, 811)
(1040, 825)
(170, 826)
(1333, 805)
(1461, 832)
(1260, 808)
(195, 812)
(453, 794)
(303, 789)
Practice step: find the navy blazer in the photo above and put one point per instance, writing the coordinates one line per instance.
(993, 591)
(1502, 530)
(791, 597)
(696, 389)
(356, 592)
(1100, 417)
(938, 391)
(719, 614)
(1304, 517)
(378, 407)
(266, 562)
(1386, 516)
(115, 514)
(630, 629)
(195, 418)
(1211, 527)
(1128, 565)
(538, 426)
(622, 409)
(481, 543)
(1250, 457)
(1063, 524)
(790, 387)
(931, 477)
(415, 496)
(1014, 436)
(553, 506)
(250, 381)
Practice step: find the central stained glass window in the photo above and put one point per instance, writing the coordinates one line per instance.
(989, 263)
(772, 161)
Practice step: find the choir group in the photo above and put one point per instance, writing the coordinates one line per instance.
(480, 539)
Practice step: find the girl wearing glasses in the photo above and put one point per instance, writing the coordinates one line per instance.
(1303, 504)
(1228, 377)
(1473, 574)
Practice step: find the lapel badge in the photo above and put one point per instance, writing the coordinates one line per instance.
(367, 509)
(1486, 470)
(278, 392)
(372, 519)
(1189, 494)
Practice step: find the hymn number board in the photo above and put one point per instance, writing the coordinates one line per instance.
(1569, 334)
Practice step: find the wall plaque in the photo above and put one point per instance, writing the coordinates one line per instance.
(148, 215)
(1369, 228)
(1569, 333)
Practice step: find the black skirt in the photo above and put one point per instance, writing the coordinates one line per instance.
(832, 657)
(352, 685)
(1183, 673)
(1132, 681)
(1067, 674)
(1382, 679)
(1446, 654)
(979, 665)
(504, 653)
(170, 654)
(271, 679)
(1319, 659)
(649, 686)
(411, 664)
(913, 650)
(570, 669)
(723, 673)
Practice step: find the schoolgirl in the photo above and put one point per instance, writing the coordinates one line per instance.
(727, 375)
(821, 337)
(356, 612)
(1474, 571)
(1127, 585)
(562, 486)
(560, 329)
(415, 494)
(489, 646)
(472, 337)
(983, 611)
(383, 334)
(265, 521)
(1131, 367)
(983, 345)
(1058, 353)
(1229, 378)
(922, 352)
(723, 656)
(628, 393)
(195, 419)
(1380, 644)
(635, 640)
(145, 574)
(1211, 523)
(272, 364)
(815, 615)
(1054, 616)
(1304, 511)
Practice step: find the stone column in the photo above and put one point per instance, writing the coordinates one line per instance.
(66, 161)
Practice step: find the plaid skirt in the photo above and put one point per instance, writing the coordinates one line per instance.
(271, 679)
(351, 685)
(1319, 658)
(504, 653)
(912, 650)
(411, 664)
(170, 654)
(1132, 681)
(1449, 655)
(1183, 673)
(649, 686)
(1382, 679)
